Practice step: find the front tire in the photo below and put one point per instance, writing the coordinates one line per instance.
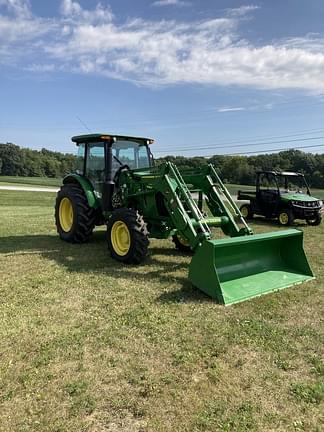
(286, 217)
(316, 221)
(127, 236)
(74, 218)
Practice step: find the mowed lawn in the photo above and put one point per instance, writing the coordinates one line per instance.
(30, 181)
(88, 344)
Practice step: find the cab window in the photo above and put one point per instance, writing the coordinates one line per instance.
(130, 153)
(95, 165)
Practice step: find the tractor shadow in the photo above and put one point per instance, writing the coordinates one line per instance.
(164, 265)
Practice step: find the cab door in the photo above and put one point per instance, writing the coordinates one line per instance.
(268, 194)
(95, 166)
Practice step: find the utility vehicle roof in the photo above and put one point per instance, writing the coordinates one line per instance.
(282, 173)
(79, 139)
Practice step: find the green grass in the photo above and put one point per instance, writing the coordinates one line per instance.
(88, 344)
(28, 181)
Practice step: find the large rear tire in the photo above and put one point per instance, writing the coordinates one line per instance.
(74, 218)
(127, 236)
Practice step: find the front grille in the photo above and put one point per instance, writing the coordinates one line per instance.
(307, 204)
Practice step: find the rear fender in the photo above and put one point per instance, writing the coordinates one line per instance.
(86, 186)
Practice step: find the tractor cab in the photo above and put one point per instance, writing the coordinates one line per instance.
(101, 156)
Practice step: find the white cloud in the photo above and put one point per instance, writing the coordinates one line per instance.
(20, 8)
(242, 10)
(73, 10)
(171, 3)
(158, 53)
(230, 109)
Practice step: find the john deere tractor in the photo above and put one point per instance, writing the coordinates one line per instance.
(118, 185)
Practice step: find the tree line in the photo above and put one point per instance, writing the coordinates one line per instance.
(242, 169)
(17, 161)
(24, 162)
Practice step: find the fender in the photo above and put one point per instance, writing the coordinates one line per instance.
(86, 186)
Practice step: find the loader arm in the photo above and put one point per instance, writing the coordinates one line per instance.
(218, 199)
(183, 214)
(229, 270)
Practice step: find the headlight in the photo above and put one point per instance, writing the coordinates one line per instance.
(320, 203)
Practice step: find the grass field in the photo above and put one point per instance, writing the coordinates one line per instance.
(30, 181)
(88, 344)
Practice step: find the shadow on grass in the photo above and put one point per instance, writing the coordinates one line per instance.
(260, 220)
(161, 265)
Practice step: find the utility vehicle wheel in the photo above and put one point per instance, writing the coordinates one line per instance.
(181, 243)
(127, 236)
(74, 218)
(246, 211)
(286, 217)
(316, 221)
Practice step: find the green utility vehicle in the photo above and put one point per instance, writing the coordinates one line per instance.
(282, 195)
(118, 184)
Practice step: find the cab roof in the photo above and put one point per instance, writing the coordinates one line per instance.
(282, 173)
(98, 137)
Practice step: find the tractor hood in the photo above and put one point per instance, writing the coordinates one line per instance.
(290, 196)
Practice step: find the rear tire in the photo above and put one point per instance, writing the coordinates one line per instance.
(74, 218)
(286, 217)
(246, 211)
(127, 236)
(316, 221)
(181, 244)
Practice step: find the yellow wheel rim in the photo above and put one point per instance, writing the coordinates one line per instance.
(120, 238)
(66, 214)
(283, 218)
(245, 212)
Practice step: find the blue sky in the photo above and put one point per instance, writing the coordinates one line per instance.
(201, 77)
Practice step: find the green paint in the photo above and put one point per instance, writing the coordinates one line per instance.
(229, 270)
(286, 196)
(234, 270)
(86, 186)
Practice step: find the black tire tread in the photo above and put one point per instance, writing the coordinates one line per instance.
(85, 215)
(139, 235)
(314, 222)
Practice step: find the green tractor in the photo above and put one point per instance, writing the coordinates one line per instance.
(118, 185)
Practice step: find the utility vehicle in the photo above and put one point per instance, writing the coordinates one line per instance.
(282, 195)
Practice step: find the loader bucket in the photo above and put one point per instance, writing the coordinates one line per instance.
(237, 269)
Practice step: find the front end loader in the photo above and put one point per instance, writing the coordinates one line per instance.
(117, 184)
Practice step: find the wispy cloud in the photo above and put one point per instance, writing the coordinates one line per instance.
(229, 109)
(156, 53)
(179, 3)
(242, 10)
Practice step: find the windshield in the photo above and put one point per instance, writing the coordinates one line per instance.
(130, 153)
(289, 184)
